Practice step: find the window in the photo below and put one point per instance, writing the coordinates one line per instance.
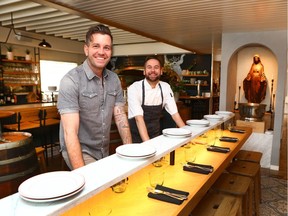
(52, 72)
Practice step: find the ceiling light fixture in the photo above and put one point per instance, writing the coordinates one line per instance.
(43, 42)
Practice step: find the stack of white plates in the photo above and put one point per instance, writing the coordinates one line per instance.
(51, 186)
(223, 113)
(197, 123)
(213, 118)
(135, 151)
(177, 132)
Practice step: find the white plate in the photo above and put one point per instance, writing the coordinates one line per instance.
(177, 132)
(51, 185)
(52, 199)
(135, 150)
(223, 113)
(177, 136)
(197, 123)
(136, 158)
(213, 118)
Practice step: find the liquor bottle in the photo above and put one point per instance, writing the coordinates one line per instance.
(2, 99)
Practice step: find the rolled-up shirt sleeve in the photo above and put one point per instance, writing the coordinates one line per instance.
(68, 96)
(134, 95)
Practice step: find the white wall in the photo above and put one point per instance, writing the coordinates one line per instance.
(276, 41)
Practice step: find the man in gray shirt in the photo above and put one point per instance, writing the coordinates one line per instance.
(89, 96)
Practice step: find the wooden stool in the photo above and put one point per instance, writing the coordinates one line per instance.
(41, 158)
(216, 204)
(251, 170)
(236, 185)
(250, 156)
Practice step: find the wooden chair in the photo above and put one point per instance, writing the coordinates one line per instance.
(41, 159)
(250, 156)
(236, 185)
(252, 170)
(26, 120)
(216, 204)
(51, 122)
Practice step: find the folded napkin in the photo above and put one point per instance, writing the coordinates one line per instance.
(234, 130)
(228, 139)
(218, 149)
(165, 198)
(198, 168)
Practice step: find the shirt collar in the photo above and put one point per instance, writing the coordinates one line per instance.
(89, 73)
(148, 86)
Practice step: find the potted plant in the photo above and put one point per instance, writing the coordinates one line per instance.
(27, 56)
(10, 55)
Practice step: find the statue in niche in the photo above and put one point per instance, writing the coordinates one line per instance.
(255, 83)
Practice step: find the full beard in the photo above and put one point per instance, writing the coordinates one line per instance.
(152, 79)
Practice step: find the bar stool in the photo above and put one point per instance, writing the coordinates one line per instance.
(250, 156)
(41, 158)
(236, 185)
(251, 170)
(216, 204)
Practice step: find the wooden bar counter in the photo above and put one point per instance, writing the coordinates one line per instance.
(17, 108)
(134, 201)
(102, 174)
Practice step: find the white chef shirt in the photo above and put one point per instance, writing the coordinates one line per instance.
(152, 97)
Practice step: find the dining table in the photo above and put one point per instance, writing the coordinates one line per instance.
(102, 174)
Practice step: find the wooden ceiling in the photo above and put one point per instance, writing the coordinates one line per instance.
(194, 25)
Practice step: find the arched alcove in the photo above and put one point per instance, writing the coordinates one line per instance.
(275, 43)
(238, 67)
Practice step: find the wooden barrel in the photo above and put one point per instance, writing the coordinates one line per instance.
(18, 161)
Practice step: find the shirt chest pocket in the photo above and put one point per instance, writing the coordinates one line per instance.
(89, 100)
(111, 98)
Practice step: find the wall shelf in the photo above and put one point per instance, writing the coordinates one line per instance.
(19, 75)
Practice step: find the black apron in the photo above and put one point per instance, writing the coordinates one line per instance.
(151, 115)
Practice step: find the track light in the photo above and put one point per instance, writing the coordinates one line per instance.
(43, 42)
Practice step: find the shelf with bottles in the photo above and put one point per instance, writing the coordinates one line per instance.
(19, 67)
(193, 81)
(190, 84)
(20, 76)
(20, 72)
(187, 73)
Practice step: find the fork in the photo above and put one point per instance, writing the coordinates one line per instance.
(170, 194)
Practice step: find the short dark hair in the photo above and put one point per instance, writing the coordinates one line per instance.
(153, 57)
(100, 28)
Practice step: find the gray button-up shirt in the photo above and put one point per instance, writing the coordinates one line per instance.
(82, 91)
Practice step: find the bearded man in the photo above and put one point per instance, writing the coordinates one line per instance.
(146, 100)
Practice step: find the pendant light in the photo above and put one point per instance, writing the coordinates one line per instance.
(43, 42)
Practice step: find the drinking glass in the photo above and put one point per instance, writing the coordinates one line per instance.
(99, 210)
(190, 154)
(159, 162)
(121, 186)
(156, 178)
(218, 133)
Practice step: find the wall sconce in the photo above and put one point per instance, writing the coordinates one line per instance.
(43, 42)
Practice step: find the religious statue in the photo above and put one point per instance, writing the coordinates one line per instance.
(255, 83)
